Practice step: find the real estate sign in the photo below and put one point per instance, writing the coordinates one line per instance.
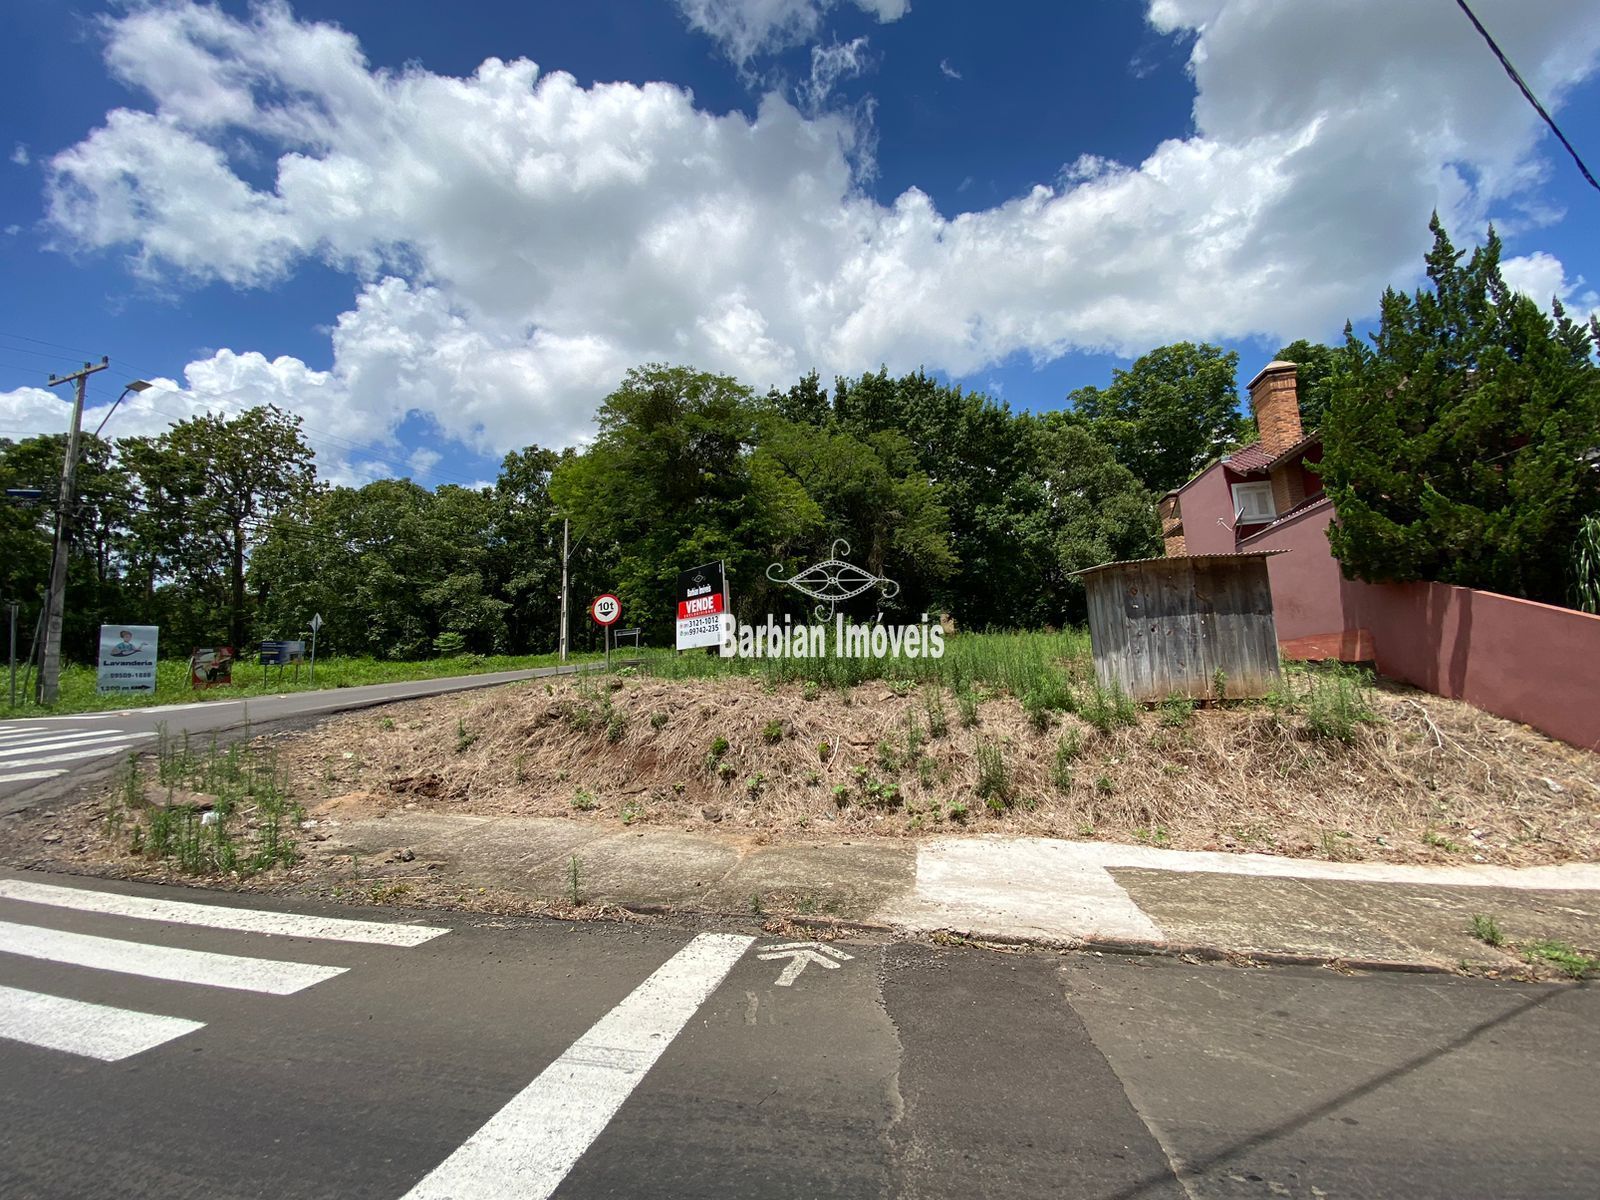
(127, 658)
(703, 617)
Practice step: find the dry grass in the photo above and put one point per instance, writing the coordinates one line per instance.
(1428, 781)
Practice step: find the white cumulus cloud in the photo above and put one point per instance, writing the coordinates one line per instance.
(516, 241)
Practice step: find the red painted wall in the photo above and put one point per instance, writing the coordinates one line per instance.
(1533, 663)
(1203, 500)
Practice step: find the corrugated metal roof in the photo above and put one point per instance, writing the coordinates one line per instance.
(1136, 562)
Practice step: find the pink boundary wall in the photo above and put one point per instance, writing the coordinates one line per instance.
(1533, 663)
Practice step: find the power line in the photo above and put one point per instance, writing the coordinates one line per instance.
(1517, 79)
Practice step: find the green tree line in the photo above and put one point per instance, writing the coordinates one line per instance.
(1461, 443)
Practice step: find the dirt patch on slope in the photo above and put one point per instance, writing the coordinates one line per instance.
(1428, 781)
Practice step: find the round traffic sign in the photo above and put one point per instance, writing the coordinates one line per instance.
(606, 609)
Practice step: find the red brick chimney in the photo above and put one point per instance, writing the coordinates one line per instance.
(1275, 402)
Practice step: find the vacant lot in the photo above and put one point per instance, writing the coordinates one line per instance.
(1330, 767)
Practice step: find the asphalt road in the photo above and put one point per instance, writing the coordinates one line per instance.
(532, 1058)
(45, 757)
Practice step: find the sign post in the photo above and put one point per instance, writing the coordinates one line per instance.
(606, 612)
(316, 624)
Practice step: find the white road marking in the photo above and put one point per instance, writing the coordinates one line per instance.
(527, 1148)
(92, 1030)
(212, 916)
(21, 776)
(97, 752)
(70, 741)
(800, 954)
(163, 962)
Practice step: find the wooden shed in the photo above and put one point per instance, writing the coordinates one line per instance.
(1167, 626)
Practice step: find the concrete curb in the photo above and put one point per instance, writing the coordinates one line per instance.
(1106, 945)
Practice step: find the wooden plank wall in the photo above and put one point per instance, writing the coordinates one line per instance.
(1166, 627)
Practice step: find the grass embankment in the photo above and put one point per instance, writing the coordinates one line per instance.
(1007, 734)
(249, 679)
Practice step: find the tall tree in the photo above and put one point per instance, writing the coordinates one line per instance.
(1169, 414)
(1460, 445)
(1314, 379)
(207, 486)
(670, 482)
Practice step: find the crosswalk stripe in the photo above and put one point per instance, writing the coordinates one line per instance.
(97, 752)
(70, 741)
(163, 962)
(22, 776)
(249, 920)
(92, 1030)
(527, 1148)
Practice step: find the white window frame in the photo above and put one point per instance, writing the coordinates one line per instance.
(1253, 503)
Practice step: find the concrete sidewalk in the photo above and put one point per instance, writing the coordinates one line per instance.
(995, 888)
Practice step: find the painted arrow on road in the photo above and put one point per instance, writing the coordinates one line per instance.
(801, 953)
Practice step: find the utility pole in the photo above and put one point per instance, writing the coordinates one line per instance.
(56, 601)
(562, 641)
(11, 612)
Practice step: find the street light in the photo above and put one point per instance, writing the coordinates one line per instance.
(55, 603)
(138, 385)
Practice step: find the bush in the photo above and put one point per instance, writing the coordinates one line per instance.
(1176, 711)
(772, 734)
(933, 706)
(994, 776)
(1109, 708)
(450, 644)
(1339, 699)
(1068, 748)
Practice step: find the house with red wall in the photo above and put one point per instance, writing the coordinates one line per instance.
(1517, 658)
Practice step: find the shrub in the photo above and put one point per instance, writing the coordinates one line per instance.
(584, 801)
(967, 707)
(1176, 711)
(1339, 699)
(658, 720)
(772, 732)
(1068, 747)
(933, 706)
(1109, 708)
(449, 644)
(994, 776)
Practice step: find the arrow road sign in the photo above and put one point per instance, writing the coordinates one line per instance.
(801, 953)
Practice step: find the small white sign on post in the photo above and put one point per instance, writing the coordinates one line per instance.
(127, 660)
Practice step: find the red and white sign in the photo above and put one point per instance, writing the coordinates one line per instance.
(700, 606)
(606, 610)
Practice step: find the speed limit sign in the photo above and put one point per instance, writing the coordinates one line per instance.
(606, 610)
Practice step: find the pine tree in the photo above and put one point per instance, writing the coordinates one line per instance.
(1460, 446)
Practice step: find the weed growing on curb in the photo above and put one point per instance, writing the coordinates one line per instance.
(574, 873)
(1563, 957)
(1487, 930)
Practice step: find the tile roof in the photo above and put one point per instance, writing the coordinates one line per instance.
(1248, 459)
(1304, 506)
(1294, 451)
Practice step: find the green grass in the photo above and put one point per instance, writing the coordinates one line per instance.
(1563, 957)
(1038, 664)
(172, 680)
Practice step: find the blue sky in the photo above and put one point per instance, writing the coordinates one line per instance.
(339, 208)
